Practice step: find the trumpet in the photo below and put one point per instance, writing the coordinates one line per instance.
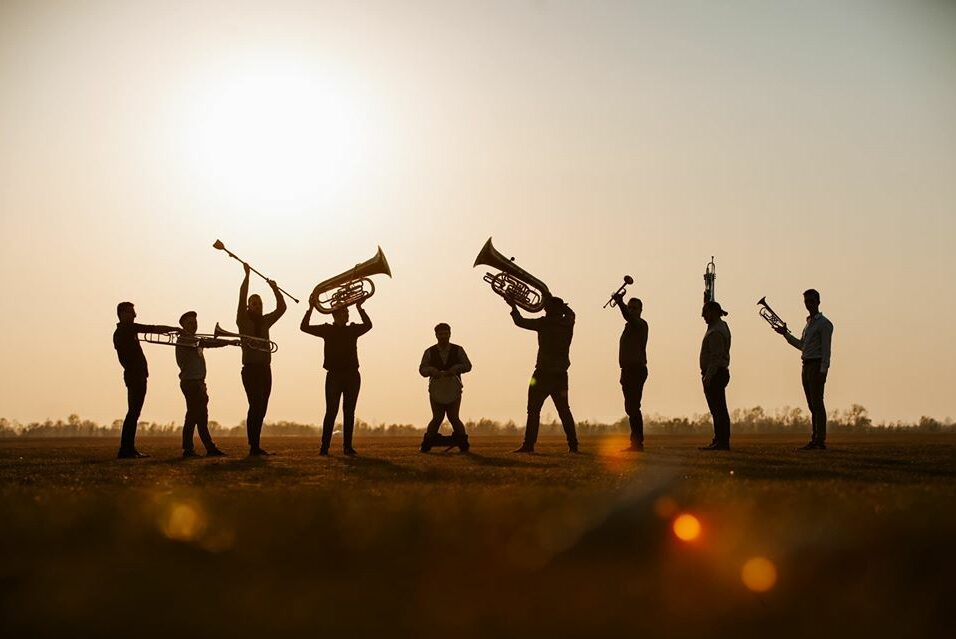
(710, 281)
(219, 246)
(513, 282)
(772, 318)
(628, 280)
(249, 341)
(351, 287)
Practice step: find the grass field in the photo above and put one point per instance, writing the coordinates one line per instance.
(858, 540)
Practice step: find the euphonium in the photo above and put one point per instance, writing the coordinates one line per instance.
(351, 287)
(710, 281)
(772, 318)
(513, 282)
(249, 341)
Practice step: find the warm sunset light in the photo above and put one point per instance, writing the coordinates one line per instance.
(687, 527)
(183, 521)
(759, 574)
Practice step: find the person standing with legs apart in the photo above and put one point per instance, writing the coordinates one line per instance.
(550, 378)
(443, 364)
(256, 362)
(715, 372)
(192, 382)
(135, 372)
(814, 344)
(342, 379)
(632, 357)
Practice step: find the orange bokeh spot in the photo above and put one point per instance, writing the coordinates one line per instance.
(759, 574)
(687, 527)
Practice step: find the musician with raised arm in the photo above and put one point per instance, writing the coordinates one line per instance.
(715, 372)
(342, 379)
(550, 377)
(632, 357)
(192, 382)
(814, 345)
(135, 372)
(256, 363)
(443, 364)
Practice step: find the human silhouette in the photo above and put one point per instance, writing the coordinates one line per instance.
(632, 357)
(342, 378)
(443, 364)
(192, 382)
(135, 372)
(814, 345)
(550, 377)
(256, 362)
(715, 372)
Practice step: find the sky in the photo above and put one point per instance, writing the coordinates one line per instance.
(803, 144)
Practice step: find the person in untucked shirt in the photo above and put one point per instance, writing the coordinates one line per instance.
(192, 382)
(632, 357)
(814, 345)
(443, 364)
(342, 381)
(715, 372)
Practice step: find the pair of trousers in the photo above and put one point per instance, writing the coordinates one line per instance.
(438, 416)
(135, 398)
(716, 394)
(545, 384)
(257, 380)
(632, 385)
(344, 386)
(197, 413)
(814, 382)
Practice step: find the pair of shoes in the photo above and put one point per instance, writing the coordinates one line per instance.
(715, 446)
(351, 452)
(258, 452)
(324, 451)
(813, 445)
(189, 452)
(573, 448)
(524, 448)
(426, 444)
(633, 448)
(131, 454)
(215, 452)
(464, 447)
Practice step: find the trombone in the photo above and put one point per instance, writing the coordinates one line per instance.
(178, 339)
(628, 280)
(349, 287)
(219, 246)
(772, 318)
(248, 341)
(513, 282)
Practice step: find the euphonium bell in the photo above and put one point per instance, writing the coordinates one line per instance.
(513, 282)
(351, 287)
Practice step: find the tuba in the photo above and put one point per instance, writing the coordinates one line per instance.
(351, 287)
(513, 282)
(249, 341)
(772, 318)
(710, 281)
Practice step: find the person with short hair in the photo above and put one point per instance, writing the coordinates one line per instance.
(342, 379)
(715, 372)
(814, 345)
(192, 382)
(632, 357)
(443, 364)
(135, 372)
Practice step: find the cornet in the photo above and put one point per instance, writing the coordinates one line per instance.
(710, 281)
(249, 341)
(513, 282)
(351, 287)
(628, 280)
(772, 318)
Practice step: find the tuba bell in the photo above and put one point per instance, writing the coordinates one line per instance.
(513, 282)
(351, 287)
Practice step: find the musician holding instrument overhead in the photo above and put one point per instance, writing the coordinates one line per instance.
(715, 372)
(192, 382)
(256, 362)
(632, 357)
(135, 372)
(443, 364)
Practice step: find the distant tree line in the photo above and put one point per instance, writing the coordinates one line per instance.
(745, 421)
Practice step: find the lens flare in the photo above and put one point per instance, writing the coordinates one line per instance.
(759, 574)
(687, 527)
(183, 521)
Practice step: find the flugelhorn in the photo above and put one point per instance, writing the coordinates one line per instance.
(710, 281)
(351, 287)
(219, 246)
(628, 280)
(249, 341)
(513, 282)
(772, 318)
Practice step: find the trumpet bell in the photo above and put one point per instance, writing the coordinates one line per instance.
(218, 245)
(350, 287)
(255, 343)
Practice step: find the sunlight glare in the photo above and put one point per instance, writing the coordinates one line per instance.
(687, 527)
(759, 574)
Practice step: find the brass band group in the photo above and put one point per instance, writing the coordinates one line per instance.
(444, 362)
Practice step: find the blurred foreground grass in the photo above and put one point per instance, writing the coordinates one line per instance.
(857, 540)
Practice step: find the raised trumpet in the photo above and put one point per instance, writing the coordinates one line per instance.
(513, 282)
(219, 246)
(628, 280)
(351, 287)
(772, 318)
(710, 281)
(249, 341)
